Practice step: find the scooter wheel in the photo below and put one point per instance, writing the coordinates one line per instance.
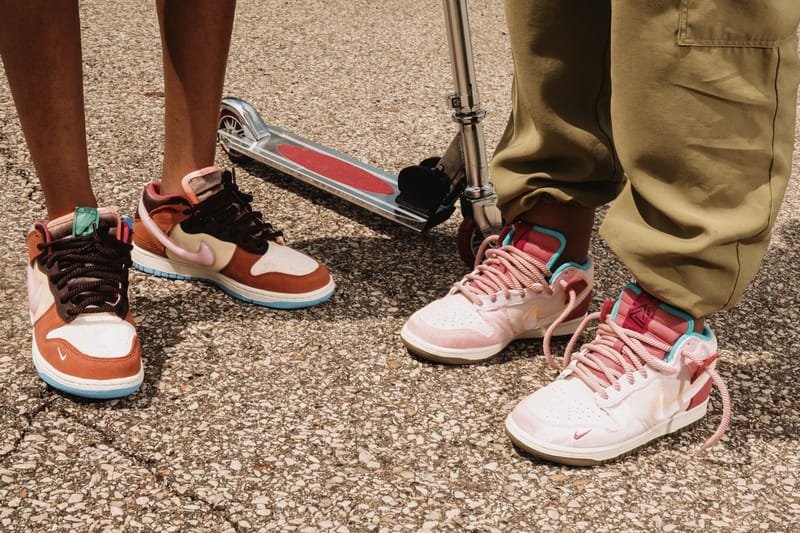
(469, 239)
(230, 123)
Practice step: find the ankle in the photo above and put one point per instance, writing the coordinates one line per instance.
(574, 222)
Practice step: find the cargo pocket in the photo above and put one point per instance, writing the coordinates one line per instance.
(737, 23)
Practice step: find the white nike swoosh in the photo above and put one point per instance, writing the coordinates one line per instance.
(684, 397)
(203, 256)
(532, 313)
(61, 354)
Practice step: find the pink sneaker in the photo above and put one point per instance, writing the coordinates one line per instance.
(645, 375)
(515, 293)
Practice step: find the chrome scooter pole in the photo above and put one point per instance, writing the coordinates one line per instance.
(467, 112)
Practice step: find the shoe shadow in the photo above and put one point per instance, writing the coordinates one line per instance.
(374, 279)
(759, 341)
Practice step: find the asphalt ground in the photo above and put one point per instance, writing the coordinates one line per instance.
(253, 419)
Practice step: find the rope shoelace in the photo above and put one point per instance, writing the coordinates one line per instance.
(503, 270)
(618, 353)
(230, 213)
(90, 273)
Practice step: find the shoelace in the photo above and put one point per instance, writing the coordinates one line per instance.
(92, 274)
(231, 212)
(633, 357)
(504, 270)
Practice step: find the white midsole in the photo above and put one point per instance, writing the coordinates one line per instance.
(467, 354)
(46, 368)
(484, 352)
(600, 454)
(179, 268)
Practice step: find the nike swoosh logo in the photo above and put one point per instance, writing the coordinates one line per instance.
(34, 291)
(61, 354)
(579, 436)
(531, 314)
(203, 256)
(682, 398)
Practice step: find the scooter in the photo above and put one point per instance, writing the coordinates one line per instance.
(420, 196)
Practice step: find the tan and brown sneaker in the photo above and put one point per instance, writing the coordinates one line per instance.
(84, 339)
(211, 234)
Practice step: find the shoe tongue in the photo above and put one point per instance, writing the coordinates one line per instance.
(638, 311)
(84, 221)
(202, 184)
(543, 244)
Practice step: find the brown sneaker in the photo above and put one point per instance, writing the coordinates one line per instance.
(84, 340)
(211, 234)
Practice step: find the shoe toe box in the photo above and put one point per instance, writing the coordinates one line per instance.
(98, 335)
(453, 322)
(563, 413)
(281, 270)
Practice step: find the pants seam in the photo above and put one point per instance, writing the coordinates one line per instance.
(769, 174)
(606, 78)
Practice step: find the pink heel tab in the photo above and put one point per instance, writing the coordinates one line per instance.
(154, 189)
(186, 180)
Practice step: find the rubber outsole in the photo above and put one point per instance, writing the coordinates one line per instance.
(179, 271)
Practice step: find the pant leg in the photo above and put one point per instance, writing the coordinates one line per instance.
(703, 113)
(557, 141)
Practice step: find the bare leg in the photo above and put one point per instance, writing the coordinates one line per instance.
(40, 43)
(195, 39)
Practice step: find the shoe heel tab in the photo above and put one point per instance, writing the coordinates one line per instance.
(186, 181)
(153, 189)
(37, 237)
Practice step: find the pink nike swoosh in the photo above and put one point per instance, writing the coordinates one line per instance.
(34, 294)
(203, 256)
(578, 436)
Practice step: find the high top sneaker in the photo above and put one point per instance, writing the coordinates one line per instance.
(211, 234)
(516, 292)
(646, 374)
(84, 340)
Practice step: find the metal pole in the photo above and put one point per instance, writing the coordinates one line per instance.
(467, 112)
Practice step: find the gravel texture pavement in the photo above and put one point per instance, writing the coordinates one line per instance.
(252, 419)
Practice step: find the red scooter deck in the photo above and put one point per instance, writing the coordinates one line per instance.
(243, 134)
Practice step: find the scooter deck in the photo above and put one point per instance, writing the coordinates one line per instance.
(343, 176)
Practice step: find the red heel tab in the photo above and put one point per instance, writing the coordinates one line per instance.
(575, 284)
(698, 368)
(606, 309)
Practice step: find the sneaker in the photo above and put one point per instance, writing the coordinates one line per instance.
(84, 340)
(645, 375)
(211, 234)
(515, 293)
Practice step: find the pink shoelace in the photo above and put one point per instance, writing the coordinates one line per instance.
(593, 369)
(504, 270)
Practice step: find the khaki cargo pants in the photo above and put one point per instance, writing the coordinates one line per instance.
(693, 101)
